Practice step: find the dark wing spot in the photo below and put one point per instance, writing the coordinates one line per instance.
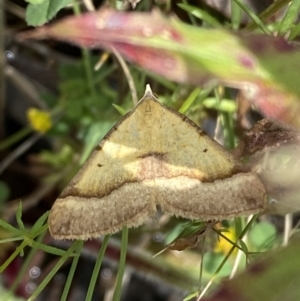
(152, 154)
(205, 150)
(98, 148)
(99, 165)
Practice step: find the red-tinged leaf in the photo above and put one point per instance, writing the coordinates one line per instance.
(265, 68)
(276, 277)
(135, 35)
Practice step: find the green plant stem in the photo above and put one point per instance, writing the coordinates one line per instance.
(10, 239)
(295, 31)
(191, 17)
(227, 124)
(41, 230)
(189, 101)
(227, 256)
(253, 16)
(97, 269)
(48, 249)
(25, 265)
(201, 262)
(288, 20)
(27, 240)
(122, 262)
(229, 133)
(19, 217)
(239, 223)
(88, 70)
(71, 272)
(207, 19)
(227, 239)
(267, 13)
(13, 255)
(235, 245)
(236, 15)
(54, 270)
(15, 138)
(86, 59)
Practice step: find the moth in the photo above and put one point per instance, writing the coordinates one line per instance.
(153, 156)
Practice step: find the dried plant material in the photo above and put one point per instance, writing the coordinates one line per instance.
(188, 241)
(273, 152)
(182, 243)
(188, 238)
(265, 135)
(153, 156)
(185, 243)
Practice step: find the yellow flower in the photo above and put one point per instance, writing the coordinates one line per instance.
(39, 120)
(223, 245)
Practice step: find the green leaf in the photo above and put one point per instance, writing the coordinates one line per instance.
(119, 109)
(39, 223)
(290, 15)
(200, 14)
(11, 239)
(271, 10)
(189, 101)
(212, 261)
(262, 235)
(236, 15)
(256, 19)
(9, 227)
(295, 31)
(243, 246)
(38, 12)
(48, 249)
